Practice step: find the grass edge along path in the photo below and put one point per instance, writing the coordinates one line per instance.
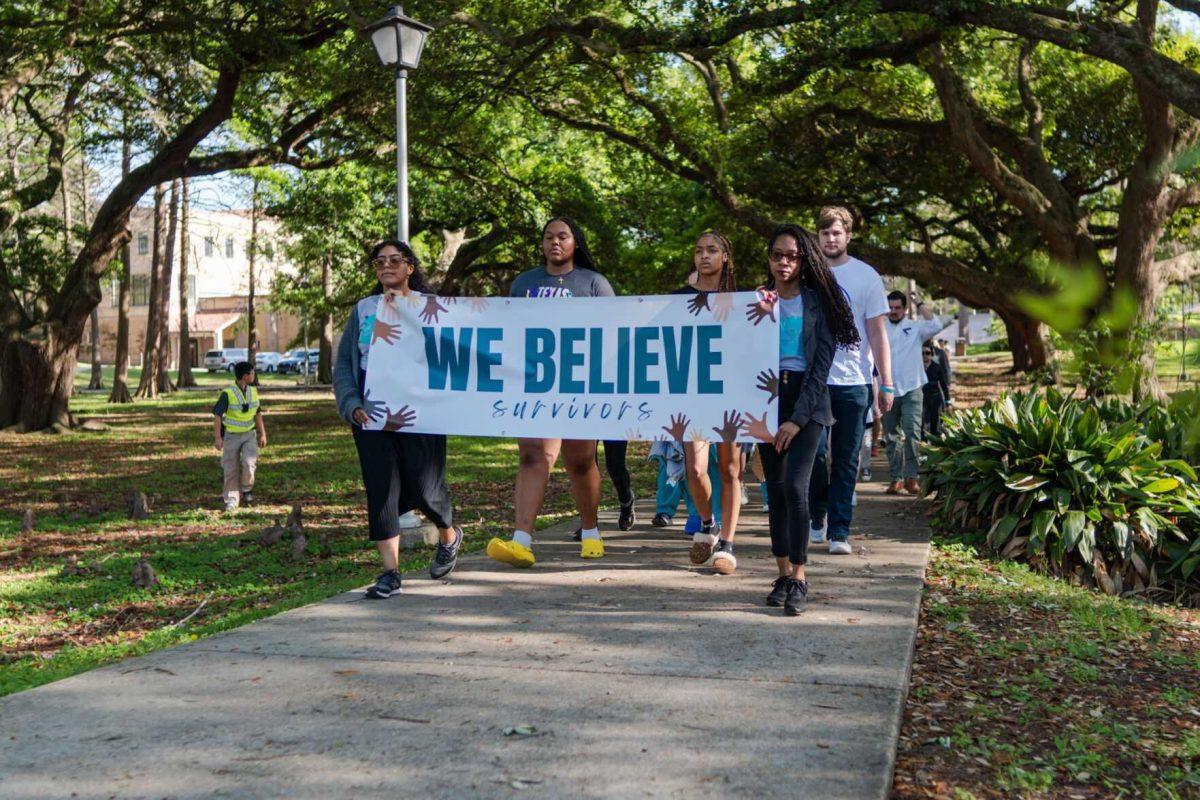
(1024, 686)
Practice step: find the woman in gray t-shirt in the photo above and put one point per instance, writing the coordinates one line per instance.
(568, 272)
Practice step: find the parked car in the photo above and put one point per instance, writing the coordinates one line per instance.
(224, 359)
(294, 361)
(267, 362)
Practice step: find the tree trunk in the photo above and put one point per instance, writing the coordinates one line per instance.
(164, 299)
(325, 359)
(97, 379)
(185, 378)
(1026, 340)
(120, 388)
(251, 317)
(148, 385)
(37, 374)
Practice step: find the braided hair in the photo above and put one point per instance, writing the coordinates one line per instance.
(816, 275)
(416, 279)
(583, 256)
(728, 280)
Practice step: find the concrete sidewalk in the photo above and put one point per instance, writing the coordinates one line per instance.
(638, 675)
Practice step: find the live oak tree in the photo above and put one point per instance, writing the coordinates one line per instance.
(689, 87)
(305, 57)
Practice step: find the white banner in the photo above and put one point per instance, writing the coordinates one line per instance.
(682, 367)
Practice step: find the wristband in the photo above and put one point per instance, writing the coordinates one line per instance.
(887, 390)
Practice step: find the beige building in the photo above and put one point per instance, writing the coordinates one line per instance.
(218, 288)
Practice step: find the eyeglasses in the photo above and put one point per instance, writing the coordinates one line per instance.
(380, 262)
(779, 255)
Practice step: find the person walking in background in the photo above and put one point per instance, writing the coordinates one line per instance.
(400, 470)
(902, 424)
(568, 272)
(814, 317)
(850, 386)
(935, 393)
(237, 418)
(941, 354)
(673, 487)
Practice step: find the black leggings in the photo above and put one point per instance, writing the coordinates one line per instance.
(787, 477)
(618, 471)
(402, 471)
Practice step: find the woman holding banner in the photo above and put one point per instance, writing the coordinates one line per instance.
(712, 258)
(401, 471)
(568, 272)
(813, 318)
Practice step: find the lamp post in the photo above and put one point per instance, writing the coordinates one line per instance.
(398, 41)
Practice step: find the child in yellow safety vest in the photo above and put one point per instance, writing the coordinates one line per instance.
(236, 417)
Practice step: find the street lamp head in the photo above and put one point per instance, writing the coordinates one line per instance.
(398, 39)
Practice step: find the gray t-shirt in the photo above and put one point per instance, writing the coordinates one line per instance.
(578, 282)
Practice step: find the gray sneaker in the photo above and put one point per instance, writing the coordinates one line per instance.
(386, 585)
(816, 533)
(446, 557)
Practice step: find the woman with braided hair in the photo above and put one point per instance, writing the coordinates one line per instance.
(712, 259)
(814, 318)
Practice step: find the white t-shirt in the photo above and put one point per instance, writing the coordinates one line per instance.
(864, 291)
(905, 339)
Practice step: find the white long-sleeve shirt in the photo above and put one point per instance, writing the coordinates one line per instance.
(905, 339)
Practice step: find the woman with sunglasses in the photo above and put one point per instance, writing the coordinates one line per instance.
(401, 471)
(813, 318)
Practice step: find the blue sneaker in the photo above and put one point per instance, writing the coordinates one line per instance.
(692, 525)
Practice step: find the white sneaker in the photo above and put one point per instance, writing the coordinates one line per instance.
(816, 534)
(745, 497)
(840, 548)
(854, 499)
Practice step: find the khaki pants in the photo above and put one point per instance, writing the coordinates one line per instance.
(239, 456)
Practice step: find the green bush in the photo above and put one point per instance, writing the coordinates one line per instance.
(1098, 492)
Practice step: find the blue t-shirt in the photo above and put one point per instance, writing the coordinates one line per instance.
(791, 334)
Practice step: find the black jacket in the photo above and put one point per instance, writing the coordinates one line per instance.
(813, 402)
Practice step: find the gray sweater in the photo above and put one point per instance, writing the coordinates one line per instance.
(346, 389)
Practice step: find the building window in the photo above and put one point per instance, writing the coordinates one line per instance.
(191, 289)
(141, 290)
(208, 245)
(229, 247)
(143, 244)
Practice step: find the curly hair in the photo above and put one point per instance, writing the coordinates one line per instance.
(728, 280)
(416, 280)
(816, 276)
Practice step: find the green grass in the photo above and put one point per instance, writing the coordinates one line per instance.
(54, 625)
(83, 374)
(1055, 688)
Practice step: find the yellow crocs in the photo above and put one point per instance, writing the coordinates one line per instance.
(591, 548)
(507, 551)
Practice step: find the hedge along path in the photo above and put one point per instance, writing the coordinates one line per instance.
(1098, 492)
(52, 625)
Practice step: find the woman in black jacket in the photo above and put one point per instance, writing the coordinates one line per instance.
(813, 318)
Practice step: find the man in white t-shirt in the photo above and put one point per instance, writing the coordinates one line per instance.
(831, 491)
(902, 425)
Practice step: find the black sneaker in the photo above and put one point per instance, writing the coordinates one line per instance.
(386, 585)
(247, 498)
(627, 518)
(577, 536)
(797, 598)
(779, 591)
(661, 521)
(447, 556)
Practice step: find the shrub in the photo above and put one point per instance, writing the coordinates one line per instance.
(1077, 488)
